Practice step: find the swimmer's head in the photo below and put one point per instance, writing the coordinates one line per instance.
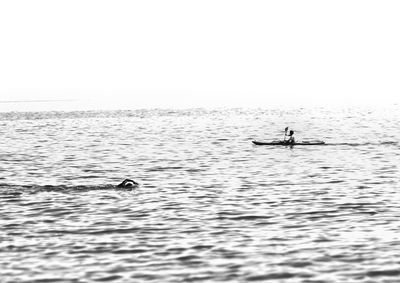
(127, 183)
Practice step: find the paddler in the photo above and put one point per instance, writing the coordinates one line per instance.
(291, 139)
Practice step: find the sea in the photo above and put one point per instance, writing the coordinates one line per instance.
(211, 206)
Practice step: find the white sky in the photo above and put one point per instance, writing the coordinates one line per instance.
(136, 54)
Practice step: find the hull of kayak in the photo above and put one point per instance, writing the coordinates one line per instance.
(282, 143)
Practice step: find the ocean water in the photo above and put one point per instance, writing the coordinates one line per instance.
(211, 207)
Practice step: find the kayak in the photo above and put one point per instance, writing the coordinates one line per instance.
(282, 143)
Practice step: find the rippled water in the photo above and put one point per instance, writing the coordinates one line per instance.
(211, 207)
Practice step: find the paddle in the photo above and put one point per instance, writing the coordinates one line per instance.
(286, 129)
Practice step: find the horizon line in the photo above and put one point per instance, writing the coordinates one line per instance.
(35, 101)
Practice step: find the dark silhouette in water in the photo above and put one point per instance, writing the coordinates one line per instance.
(128, 183)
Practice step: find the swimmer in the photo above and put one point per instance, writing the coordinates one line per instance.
(127, 183)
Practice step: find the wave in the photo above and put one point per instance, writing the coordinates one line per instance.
(11, 189)
(363, 144)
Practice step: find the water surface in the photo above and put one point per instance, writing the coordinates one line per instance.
(211, 207)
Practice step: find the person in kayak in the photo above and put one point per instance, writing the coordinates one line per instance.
(291, 139)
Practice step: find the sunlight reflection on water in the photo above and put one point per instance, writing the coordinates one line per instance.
(211, 206)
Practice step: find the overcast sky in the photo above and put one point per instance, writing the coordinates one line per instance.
(135, 54)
